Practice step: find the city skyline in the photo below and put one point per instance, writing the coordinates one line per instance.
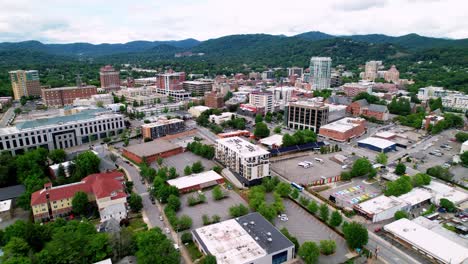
(122, 22)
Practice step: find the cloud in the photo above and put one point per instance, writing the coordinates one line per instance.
(359, 5)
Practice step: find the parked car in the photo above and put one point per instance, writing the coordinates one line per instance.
(160, 218)
(167, 230)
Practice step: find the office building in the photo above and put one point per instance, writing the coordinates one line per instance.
(147, 95)
(371, 70)
(249, 163)
(110, 78)
(197, 110)
(61, 132)
(162, 128)
(223, 117)
(392, 75)
(295, 71)
(307, 115)
(195, 182)
(214, 100)
(64, 96)
(268, 75)
(320, 72)
(170, 80)
(429, 92)
(156, 109)
(25, 83)
(197, 88)
(262, 99)
(105, 189)
(247, 239)
(344, 129)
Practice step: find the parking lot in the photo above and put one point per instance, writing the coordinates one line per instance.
(210, 207)
(179, 162)
(305, 227)
(351, 193)
(293, 172)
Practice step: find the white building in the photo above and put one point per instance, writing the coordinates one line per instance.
(262, 99)
(117, 211)
(225, 116)
(464, 147)
(196, 181)
(381, 207)
(157, 109)
(320, 71)
(196, 111)
(431, 92)
(456, 101)
(249, 162)
(441, 190)
(248, 239)
(427, 242)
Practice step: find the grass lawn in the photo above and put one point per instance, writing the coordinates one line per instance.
(193, 251)
(137, 224)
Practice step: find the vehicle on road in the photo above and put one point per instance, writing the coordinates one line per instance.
(319, 160)
(167, 230)
(305, 164)
(160, 218)
(297, 186)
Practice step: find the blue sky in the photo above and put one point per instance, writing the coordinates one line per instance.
(118, 21)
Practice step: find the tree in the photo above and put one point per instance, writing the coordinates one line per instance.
(187, 170)
(361, 167)
(464, 158)
(173, 202)
(355, 234)
(258, 118)
(327, 247)
(324, 212)
(447, 204)
(135, 202)
(86, 164)
(461, 137)
(159, 161)
(238, 210)
(336, 219)
(267, 210)
(186, 237)
(293, 239)
(398, 187)
(381, 158)
(217, 169)
(312, 207)
(295, 194)
(17, 111)
(420, 179)
(261, 130)
(440, 172)
(283, 189)
(155, 248)
(197, 167)
(400, 214)
(400, 169)
(309, 252)
(277, 130)
(173, 173)
(218, 194)
(23, 100)
(209, 259)
(185, 222)
(15, 248)
(57, 155)
(80, 203)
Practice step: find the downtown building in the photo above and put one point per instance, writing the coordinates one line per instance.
(198, 88)
(61, 132)
(214, 100)
(64, 96)
(263, 100)
(344, 129)
(320, 72)
(307, 115)
(248, 162)
(162, 128)
(25, 83)
(170, 80)
(110, 78)
(371, 70)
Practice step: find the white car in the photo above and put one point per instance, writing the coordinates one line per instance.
(160, 218)
(167, 230)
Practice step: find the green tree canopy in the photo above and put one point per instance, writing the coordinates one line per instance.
(261, 130)
(57, 155)
(400, 214)
(400, 169)
(309, 252)
(86, 163)
(153, 247)
(336, 219)
(355, 234)
(135, 202)
(80, 203)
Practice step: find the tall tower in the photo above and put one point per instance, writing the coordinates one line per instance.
(110, 78)
(320, 71)
(25, 83)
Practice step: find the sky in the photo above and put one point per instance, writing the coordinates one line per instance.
(120, 21)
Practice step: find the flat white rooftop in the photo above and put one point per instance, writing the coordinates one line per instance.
(380, 204)
(416, 196)
(378, 142)
(385, 134)
(428, 241)
(242, 147)
(163, 122)
(441, 190)
(272, 140)
(195, 179)
(230, 243)
(5, 205)
(343, 124)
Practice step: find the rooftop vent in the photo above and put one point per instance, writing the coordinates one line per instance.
(256, 238)
(269, 233)
(252, 222)
(270, 239)
(245, 224)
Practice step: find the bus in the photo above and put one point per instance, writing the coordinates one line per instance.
(297, 186)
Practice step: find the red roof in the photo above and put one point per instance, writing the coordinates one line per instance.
(100, 184)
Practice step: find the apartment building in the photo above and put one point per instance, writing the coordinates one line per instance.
(63, 96)
(456, 101)
(320, 72)
(25, 83)
(105, 189)
(262, 99)
(61, 132)
(371, 70)
(249, 163)
(429, 92)
(110, 78)
(170, 80)
(162, 127)
(268, 75)
(198, 88)
(157, 109)
(392, 75)
(307, 115)
(295, 71)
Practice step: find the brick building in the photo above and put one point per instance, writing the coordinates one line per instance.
(25, 83)
(214, 100)
(162, 128)
(110, 78)
(353, 89)
(63, 96)
(362, 107)
(151, 151)
(344, 129)
(170, 80)
(197, 88)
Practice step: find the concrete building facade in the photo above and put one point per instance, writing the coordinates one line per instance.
(320, 72)
(307, 115)
(197, 88)
(162, 128)
(214, 100)
(262, 99)
(25, 83)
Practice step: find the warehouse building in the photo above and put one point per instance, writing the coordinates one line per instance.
(249, 163)
(377, 144)
(151, 151)
(344, 129)
(436, 247)
(246, 239)
(162, 127)
(381, 208)
(197, 181)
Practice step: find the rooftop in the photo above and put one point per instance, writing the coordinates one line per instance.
(441, 190)
(242, 146)
(5, 205)
(416, 196)
(162, 122)
(385, 134)
(378, 142)
(428, 241)
(379, 204)
(195, 179)
(344, 124)
(151, 148)
(241, 240)
(11, 192)
(275, 139)
(70, 88)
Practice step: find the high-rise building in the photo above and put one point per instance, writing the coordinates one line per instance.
(307, 115)
(214, 100)
(262, 99)
(392, 75)
(110, 78)
(63, 96)
(170, 80)
(320, 72)
(197, 88)
(162, 128)
(25, 83)
(371, 70)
